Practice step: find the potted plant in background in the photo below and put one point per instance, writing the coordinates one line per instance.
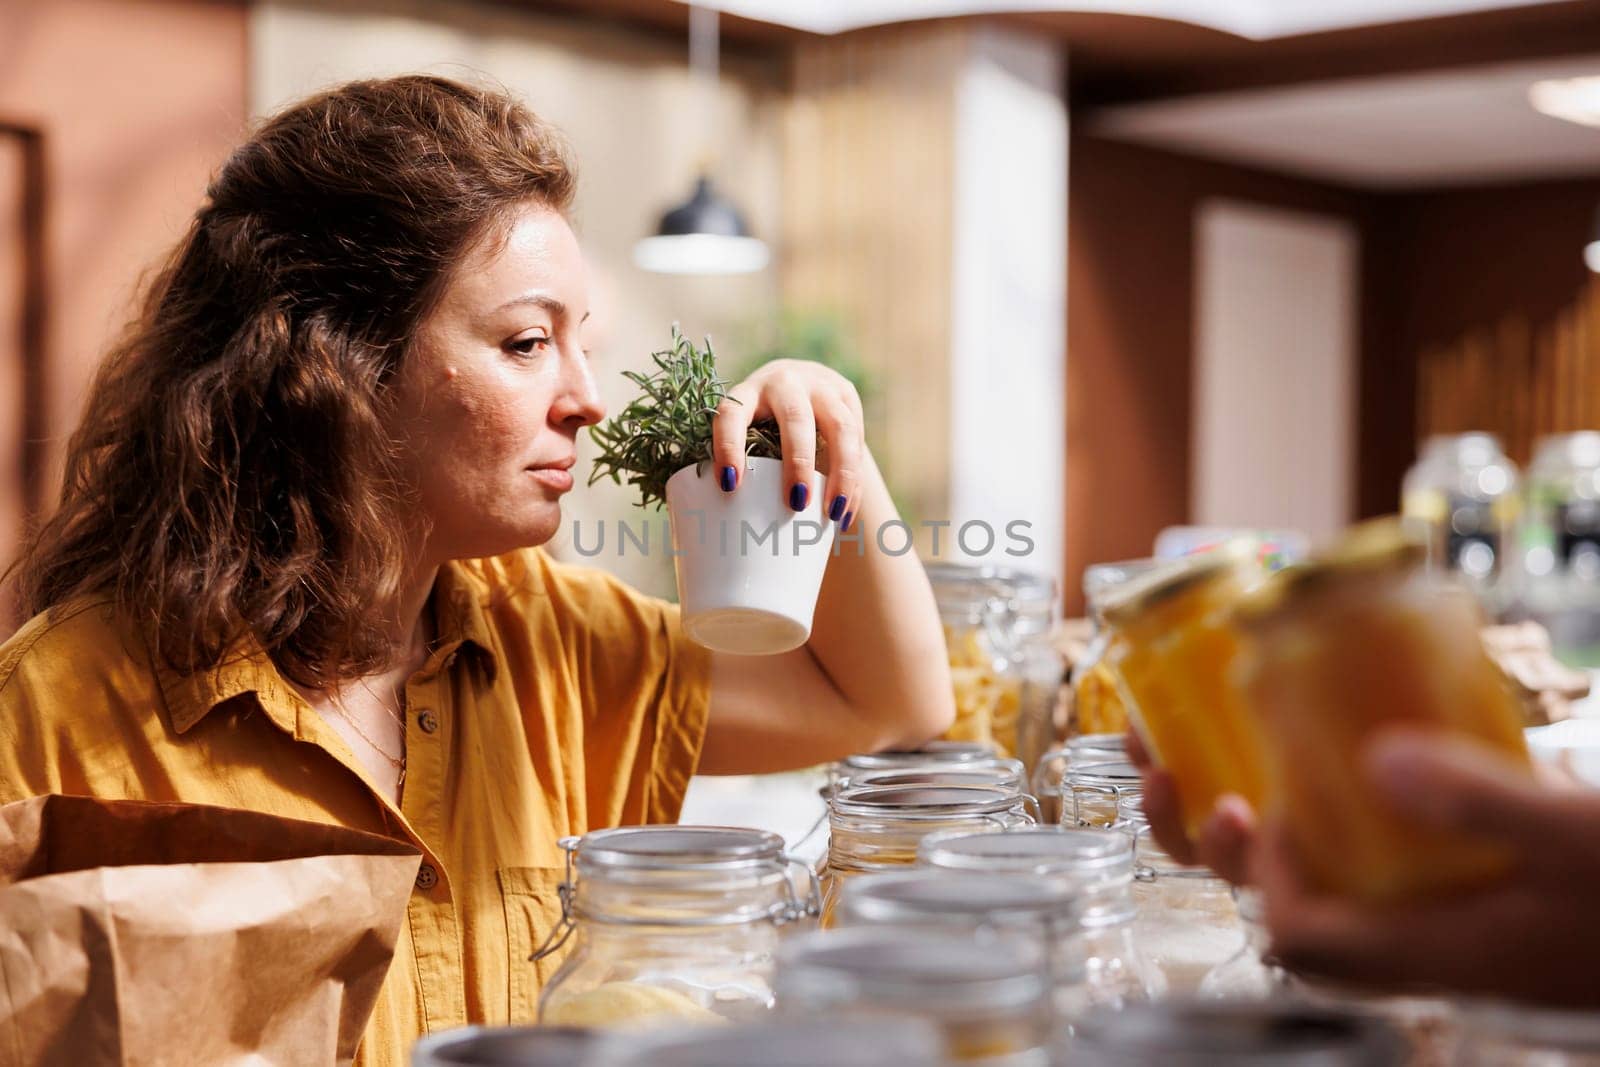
(748, 567)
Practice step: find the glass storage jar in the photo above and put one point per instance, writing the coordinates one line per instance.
(1204, 1034)
(1042, 911)
(989, 998)
(1247, 975)
(1049, 777)
(1098, 865)
(1188, 923)
(1460, 500)
(1428, 1025)
(1561, 531)
(1097, 704)
(485, 1046)
(673, 924)
(1174, 654)
(1355, 641)
(1006, 670)
(1505, 1035)
(1107, 794)
(789, 1040)
(878, 828)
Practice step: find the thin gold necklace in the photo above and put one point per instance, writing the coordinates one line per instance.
(399, 763)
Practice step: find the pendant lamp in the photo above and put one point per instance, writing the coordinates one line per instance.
(706, 234)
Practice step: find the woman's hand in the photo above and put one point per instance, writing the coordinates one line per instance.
(1531, 935)
(1225, 837)
(875, 672)
(805, 399)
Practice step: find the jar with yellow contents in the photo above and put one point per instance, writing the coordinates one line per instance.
(1176, 655)
(1361, 639)
(1006, 671)
(1097, 704)
(878, 828)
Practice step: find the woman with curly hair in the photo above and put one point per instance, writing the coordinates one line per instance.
(295, 567)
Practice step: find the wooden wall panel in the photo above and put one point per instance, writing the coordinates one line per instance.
(131, 104)
(1130, 334)
(869, 159)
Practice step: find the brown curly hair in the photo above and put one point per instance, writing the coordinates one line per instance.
(234, 469)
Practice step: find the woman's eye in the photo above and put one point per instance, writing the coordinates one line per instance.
(527, 346)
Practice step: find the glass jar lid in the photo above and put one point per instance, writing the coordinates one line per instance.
(1084, 746)
(932, 754)
(674, 848)
(970, 594)
(482, 1046)
(1264, 1033)
(680, 876)
(930, 974)
(1162, 586)
(1105, 774)
(797, 1041)
(1091, 854)
(1007, 774)
(1377, 547)
(1566, 451)
(1544, 1029)
(1099, 864)
(960, 897)
(922, 802)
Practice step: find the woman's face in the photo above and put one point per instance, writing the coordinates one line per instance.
(492, 395)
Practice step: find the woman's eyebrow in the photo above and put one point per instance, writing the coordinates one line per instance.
(544, 300)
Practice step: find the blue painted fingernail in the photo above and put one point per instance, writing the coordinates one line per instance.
(730, 478)
(837, 511)
(799, 496)
(844, 527)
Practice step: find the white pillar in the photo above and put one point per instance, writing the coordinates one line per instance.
(1008, 313)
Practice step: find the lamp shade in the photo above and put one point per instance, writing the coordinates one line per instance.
(1591, 251)
(704, 235)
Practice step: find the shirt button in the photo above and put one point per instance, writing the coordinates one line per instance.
(427, 877)
(428, 721)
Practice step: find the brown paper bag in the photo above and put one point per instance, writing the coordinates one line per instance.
(135, 933)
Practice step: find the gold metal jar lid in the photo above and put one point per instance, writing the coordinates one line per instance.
(1182, 576)
(1380, 546)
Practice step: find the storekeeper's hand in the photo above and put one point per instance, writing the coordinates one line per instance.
(1225, 837)
(1531, 935)
(804, 398)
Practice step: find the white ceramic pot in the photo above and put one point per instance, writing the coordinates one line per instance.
(749, 568)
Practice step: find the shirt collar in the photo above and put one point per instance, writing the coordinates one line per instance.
(244, 668)
(461, 613)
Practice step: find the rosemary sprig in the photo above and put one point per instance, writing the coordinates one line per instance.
(669, 426)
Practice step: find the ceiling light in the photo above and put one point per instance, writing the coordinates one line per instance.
(1591, 251)
(1573, 99)
(706, 234)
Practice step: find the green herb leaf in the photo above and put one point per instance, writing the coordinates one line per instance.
(669, 426)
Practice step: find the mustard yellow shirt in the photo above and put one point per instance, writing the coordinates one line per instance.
(556, 700)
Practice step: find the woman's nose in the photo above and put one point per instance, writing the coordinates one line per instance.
(579, 397)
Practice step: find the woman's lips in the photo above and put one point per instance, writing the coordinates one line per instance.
(554, 478)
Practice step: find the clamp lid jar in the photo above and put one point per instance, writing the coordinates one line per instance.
(990, 998)
(672, 924)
